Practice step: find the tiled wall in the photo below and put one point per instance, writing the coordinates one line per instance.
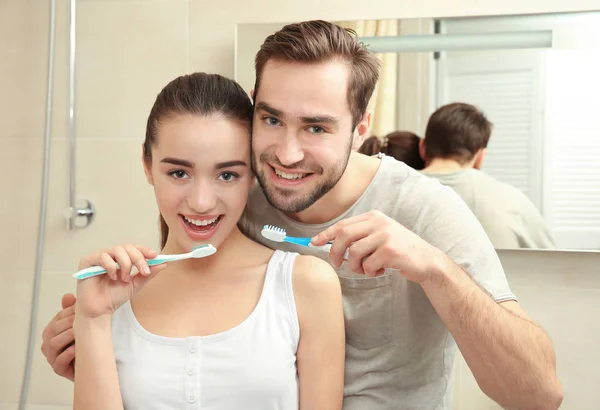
(561, 292)
(127, 50)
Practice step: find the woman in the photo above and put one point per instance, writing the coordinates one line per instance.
(247, 327)
(402, 145)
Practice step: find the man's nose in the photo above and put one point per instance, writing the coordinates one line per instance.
(290, 150)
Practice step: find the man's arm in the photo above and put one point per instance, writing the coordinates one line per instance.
(511, 358)
(59, 339)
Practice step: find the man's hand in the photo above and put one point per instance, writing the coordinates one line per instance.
(58, 339)
(376, 242)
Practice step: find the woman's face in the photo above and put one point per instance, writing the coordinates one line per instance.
(201, 175)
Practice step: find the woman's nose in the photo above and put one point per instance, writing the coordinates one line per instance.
(202, 198)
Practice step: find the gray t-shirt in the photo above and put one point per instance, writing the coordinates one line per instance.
(399, 354)
(509, 218)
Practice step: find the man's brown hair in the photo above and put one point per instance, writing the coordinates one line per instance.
(320, 41)
(456, 131)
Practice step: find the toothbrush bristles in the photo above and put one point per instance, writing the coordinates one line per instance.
(274, 228)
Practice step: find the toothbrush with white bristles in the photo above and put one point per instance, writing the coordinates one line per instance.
(277, 234)
(198, 252)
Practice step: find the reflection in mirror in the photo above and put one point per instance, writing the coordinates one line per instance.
(542, 101)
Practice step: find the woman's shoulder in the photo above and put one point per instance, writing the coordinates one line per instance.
(312, 275)
(317, 290)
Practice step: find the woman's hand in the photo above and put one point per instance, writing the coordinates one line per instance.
(103, 294)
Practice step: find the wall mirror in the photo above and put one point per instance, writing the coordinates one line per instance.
(536, 77)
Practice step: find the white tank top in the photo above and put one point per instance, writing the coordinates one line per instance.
(251, 366)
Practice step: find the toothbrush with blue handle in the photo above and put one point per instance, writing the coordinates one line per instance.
(277, 234)
(198, 252)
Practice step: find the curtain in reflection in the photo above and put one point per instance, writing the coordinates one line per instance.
(383, 102)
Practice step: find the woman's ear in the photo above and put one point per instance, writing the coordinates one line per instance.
(147, 167)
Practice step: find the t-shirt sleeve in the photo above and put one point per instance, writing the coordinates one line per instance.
(446, 222)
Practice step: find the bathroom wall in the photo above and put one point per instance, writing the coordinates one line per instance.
(127, 50)
(561, 291)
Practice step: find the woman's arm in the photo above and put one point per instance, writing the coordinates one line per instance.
(96, 380)
(321, 351)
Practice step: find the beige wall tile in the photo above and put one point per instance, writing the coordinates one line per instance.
(15, 304)
(250, 37)
(44, 407)
(485, 7)
(570, 317)
(20, 179)
(24, 37)
(560, 269)
(127, 51)
(110, 175)
(23, 34)
(126, 210)
(15, 406)
(125, 206)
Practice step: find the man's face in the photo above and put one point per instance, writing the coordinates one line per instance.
(302, 131)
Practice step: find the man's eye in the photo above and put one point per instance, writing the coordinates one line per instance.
(272, 121)
(316, 130)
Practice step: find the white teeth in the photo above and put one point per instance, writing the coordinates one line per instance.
(201, 223)
(286, 175)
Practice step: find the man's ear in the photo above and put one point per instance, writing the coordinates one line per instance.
(252, 94)
(361, 130)
(479, 158)
(147, 170)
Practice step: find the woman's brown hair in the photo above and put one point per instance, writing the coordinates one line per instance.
(402, 145)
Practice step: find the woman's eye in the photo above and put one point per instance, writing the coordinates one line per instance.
(316, 130)
(178, 173)
(228, 176)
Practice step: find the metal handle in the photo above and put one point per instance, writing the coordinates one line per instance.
(77, 216)
(80, 217)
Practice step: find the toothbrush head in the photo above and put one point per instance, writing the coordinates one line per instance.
(202, 251)
(273, 233)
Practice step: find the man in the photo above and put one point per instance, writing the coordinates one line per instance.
(454, 147)
(404, 296)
